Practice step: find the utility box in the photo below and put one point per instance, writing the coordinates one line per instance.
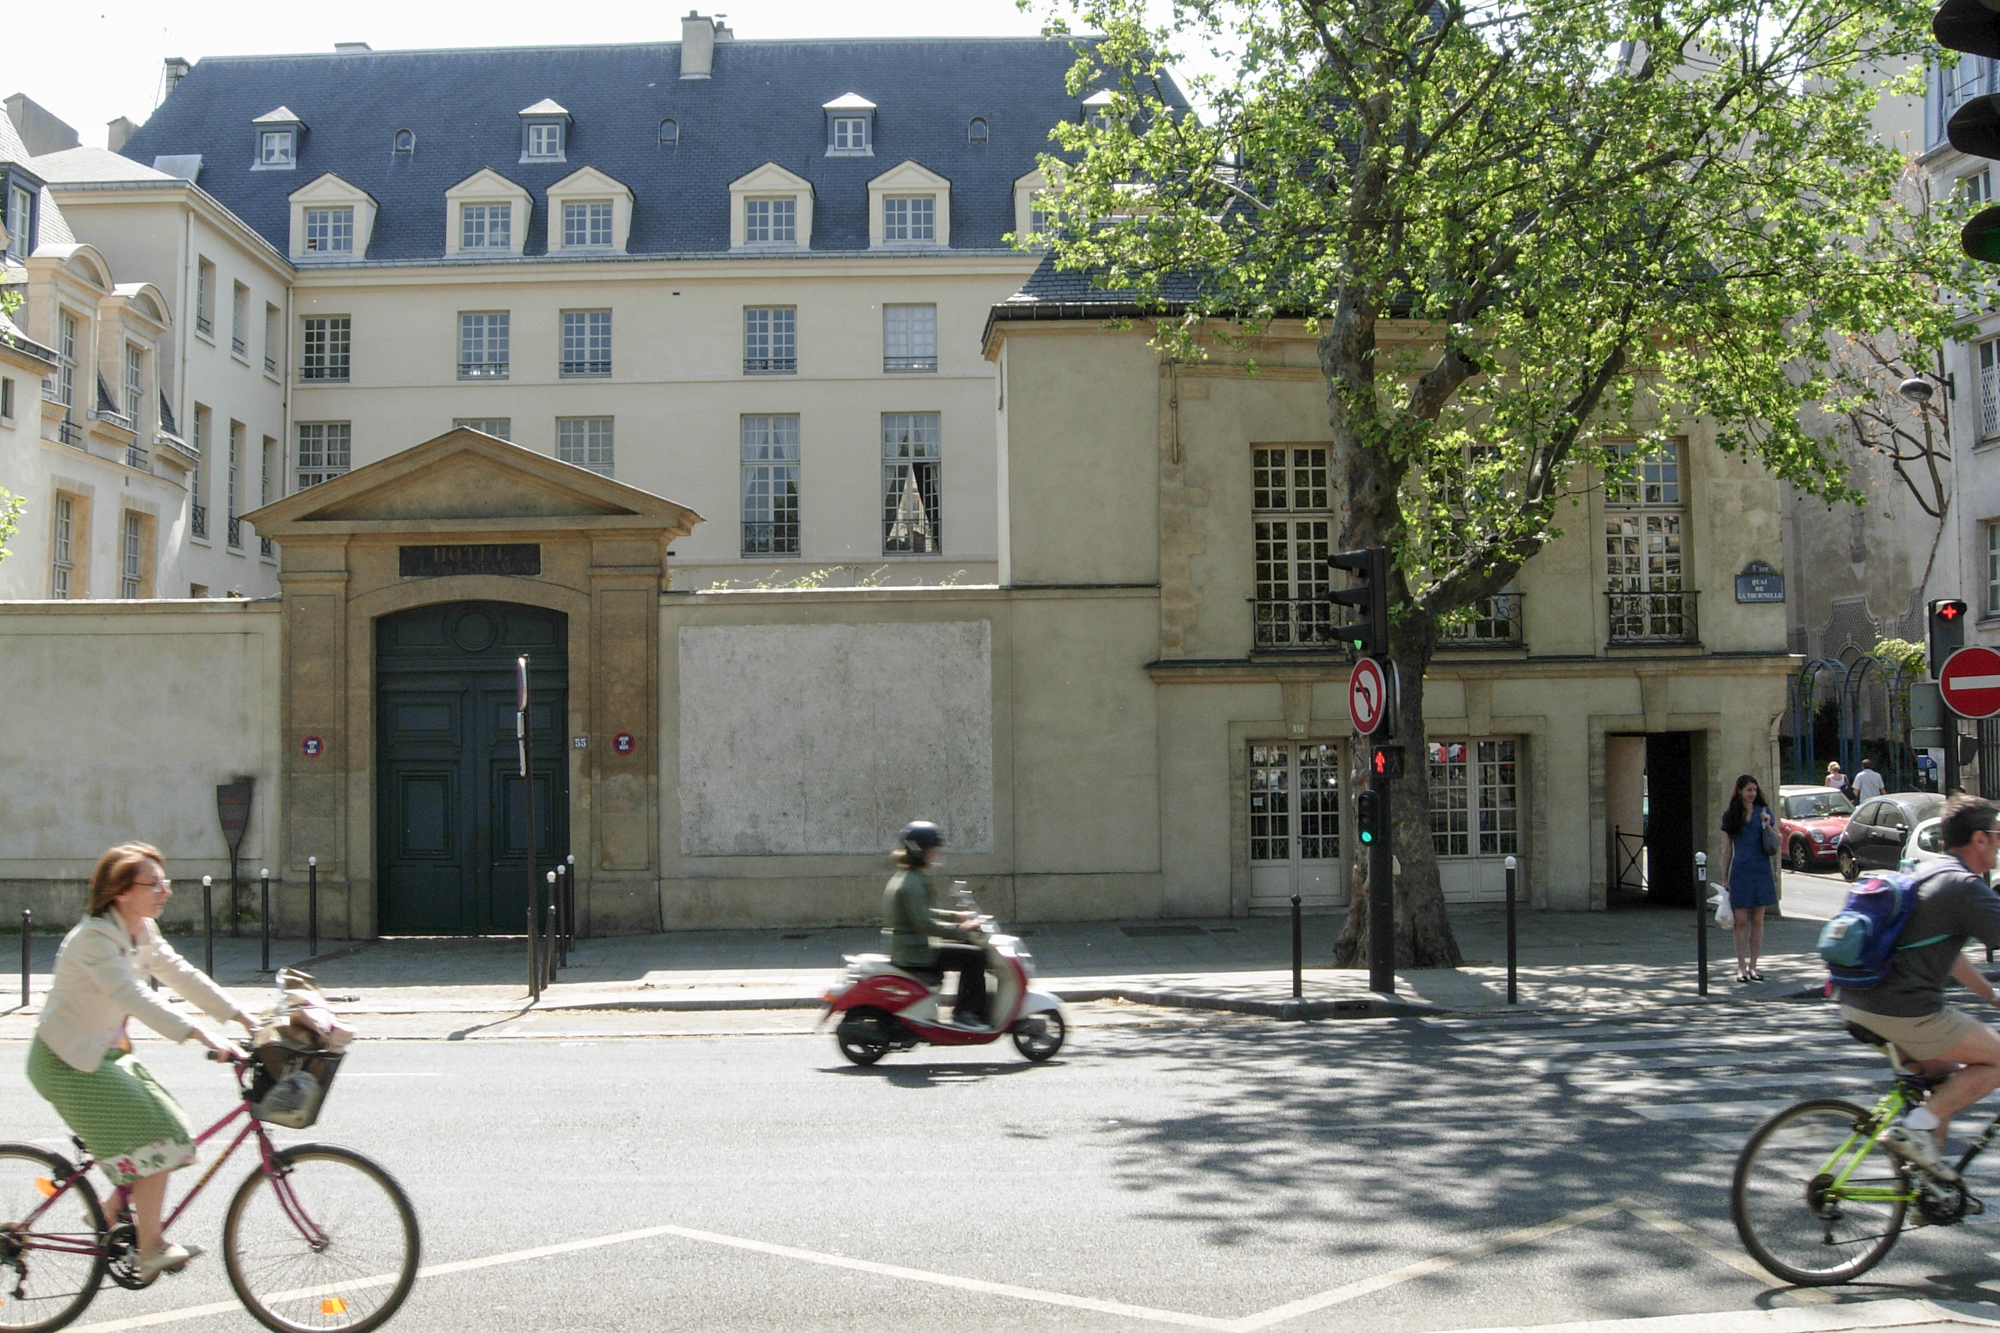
(1926, 715)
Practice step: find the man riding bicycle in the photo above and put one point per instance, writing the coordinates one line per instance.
(1907, 1007)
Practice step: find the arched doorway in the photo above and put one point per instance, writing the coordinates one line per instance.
(450, 807)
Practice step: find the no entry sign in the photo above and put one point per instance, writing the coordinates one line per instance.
(1970, 682)
(1367, 696)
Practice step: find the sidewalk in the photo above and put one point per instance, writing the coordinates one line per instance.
(1567, 961)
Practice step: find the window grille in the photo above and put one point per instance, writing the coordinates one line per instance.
(330, 231)
(850, 134)
(911, 219)
(274, 148)
(1989, 390)
(328, 342)
(326, 450)
(909, 338)
(486, 227)
(771, 485)
(770, 222)
(135, 382)
(65, 520)
(586, 342)
(20, 221)
(911, 517)
(587, 224)
(586, 442)
(1643, 553)
(500, 428)
(545, 140)
(1291, 536)
(483, 346)
(770, 340)
(129, 582)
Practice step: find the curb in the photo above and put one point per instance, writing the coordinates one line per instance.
(1288, 1009)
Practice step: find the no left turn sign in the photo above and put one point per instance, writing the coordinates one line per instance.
(1970, 682)
(1367, 696)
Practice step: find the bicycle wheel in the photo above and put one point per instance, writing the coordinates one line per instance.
(329, 1242)
(51, 1262)
(1812, 1199)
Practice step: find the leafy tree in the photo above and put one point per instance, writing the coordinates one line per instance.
(1535, 239)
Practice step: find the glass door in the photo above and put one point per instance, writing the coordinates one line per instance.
(1294, 795)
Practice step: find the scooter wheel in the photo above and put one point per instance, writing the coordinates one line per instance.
(1039, 1036)
(861, 1052)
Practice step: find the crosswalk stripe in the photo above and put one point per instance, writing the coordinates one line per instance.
(1708, 1110)
(1545, 1065)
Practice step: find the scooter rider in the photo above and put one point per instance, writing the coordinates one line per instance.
(910, 920)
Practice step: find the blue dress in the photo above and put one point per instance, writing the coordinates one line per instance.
(1750, 882)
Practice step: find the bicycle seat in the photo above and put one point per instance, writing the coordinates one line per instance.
(1915, 1077)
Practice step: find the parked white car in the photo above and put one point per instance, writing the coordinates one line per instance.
(1925, 846)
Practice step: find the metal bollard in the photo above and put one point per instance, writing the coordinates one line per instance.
(569, 904)
(312, 907)
(1513, 990)
(208, 924)
(1701, 922)
(534, 955)
(562, 915)
(1298, 951)
(265, 874)
(552, 933)
(27, 945)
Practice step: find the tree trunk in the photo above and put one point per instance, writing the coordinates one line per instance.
(1423, 932)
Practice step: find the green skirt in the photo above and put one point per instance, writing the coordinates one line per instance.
(131, 1124)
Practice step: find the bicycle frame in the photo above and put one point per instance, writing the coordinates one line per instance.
(1907, 1091)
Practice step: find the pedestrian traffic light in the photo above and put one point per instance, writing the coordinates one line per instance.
(1947, 631)
(1969, 26)
(1368, 594)
(1368, 816)
(1386, 762)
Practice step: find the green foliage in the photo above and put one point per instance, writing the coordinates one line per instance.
(11, 506)
(1527, 234)
(1910, 656)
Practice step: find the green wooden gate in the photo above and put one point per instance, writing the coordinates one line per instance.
(450, 818)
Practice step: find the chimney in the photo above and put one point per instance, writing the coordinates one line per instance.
(697, 46)
(723, 32)
(176, 69)
(350, 48)
(116, 132)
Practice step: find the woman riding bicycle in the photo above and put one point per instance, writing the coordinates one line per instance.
(129, 1122)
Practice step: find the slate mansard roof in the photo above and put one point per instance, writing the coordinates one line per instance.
(763, 104)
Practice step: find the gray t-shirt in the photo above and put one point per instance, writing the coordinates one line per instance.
(1956, 904)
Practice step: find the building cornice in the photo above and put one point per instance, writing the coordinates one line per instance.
(188, 194)
(703, 264)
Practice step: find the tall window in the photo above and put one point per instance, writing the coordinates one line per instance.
(482, 346)
(198, 512)
(1292, 534)
(66, 359)
(20, 221)
(1989, 390)
(234, 531)
(129, 583)
(770, 340)
(268, 468)
(239, 320)
(771, 485)
(1992, 607)
(909, 219)
(586, 442)
(586, 342)
(911, 521)
(270, 339)
(328, 342)
(587, 223)
(909, 338)
(64, 554)
(135, 382)
(1643, 551)
(326, 450)
(486, 227)
(204, 296)
(850, 134)
(1475, 808)
(770, 222)
(330, 231)
(500, 428)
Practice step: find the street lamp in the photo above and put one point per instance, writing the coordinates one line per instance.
(1916, 389)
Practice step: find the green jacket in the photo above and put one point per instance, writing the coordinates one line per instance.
(909, 920)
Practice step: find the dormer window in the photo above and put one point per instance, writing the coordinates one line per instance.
(850, 126)
(909, 220)
(277, 140)
(542, 131)
(1097, 110)
(670, 133)
(486, 227)
(770, 209)
(404, 144)
(976, 131)
(909, 205)
(770, 222)
(332, 219)
(20, 221)
(587, 224)
(330, 231)
(274, 148)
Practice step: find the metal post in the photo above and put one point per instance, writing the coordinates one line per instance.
(553, 933)
(1513, 988)
(1381, 896)
(569, 905)
(1701, 911)
(208, 924)
(235, 900)
(265, 913)
(312, 907)
(562, 914)
(524, 732)
(1298, 951)
(27, 944)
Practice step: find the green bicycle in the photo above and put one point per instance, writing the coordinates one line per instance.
(1817, 1200)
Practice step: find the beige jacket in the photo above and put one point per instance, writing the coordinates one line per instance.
(97, 987)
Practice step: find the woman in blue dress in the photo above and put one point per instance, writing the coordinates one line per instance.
(1746, 869)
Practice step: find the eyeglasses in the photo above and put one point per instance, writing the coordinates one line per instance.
(157, 885)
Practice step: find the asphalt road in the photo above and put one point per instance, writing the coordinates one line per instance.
(1221, 1173)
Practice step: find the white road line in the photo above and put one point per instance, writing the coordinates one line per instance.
(1707, 1110)
(1742, 1263)
(1725, 1041)
(391, 1073)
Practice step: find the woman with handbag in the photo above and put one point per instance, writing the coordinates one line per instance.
(1751, 841)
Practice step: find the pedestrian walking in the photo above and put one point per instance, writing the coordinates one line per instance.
(1751, 841)
(1868, 783)
(1835, 778)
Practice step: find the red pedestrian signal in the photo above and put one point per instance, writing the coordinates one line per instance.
(1947, 631)
(1387, 761)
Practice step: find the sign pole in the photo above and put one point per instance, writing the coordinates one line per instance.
(524, 732)
(1381, 897)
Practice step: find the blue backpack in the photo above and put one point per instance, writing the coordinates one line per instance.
(1863, 938)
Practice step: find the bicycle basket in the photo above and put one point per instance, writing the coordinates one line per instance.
(290, 1085)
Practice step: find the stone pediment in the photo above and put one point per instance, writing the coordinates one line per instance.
(466, 481)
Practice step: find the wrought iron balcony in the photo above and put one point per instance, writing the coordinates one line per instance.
(1494, 622)
(771, 538)
(198, 520)
(265, 549)
(493, 370)
(69, 432)
(1653, 617)
(586, 369)
(270, 365)
(333, 373)
(1292, 625)
(137, 458)
(770, 365)
(909, 365)
(238, 346)
(236, 531)
(204, 323)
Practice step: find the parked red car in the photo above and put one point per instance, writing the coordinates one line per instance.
(1810, 822)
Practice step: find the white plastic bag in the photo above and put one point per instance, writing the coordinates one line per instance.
(1724, 916)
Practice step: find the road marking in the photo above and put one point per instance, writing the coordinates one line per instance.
(1742, 1263)
(1708, 1110)
(392, 1073)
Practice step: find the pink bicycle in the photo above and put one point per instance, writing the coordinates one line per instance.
(317, 1236)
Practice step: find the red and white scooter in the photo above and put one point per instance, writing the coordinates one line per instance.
(881, 1007)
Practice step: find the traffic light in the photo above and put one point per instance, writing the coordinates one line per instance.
(1947, 631)
(1368, 594)
(1969, 26)
(1368, 815)
(1386, 762)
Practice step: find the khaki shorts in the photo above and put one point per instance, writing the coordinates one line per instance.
(1926, 1037)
